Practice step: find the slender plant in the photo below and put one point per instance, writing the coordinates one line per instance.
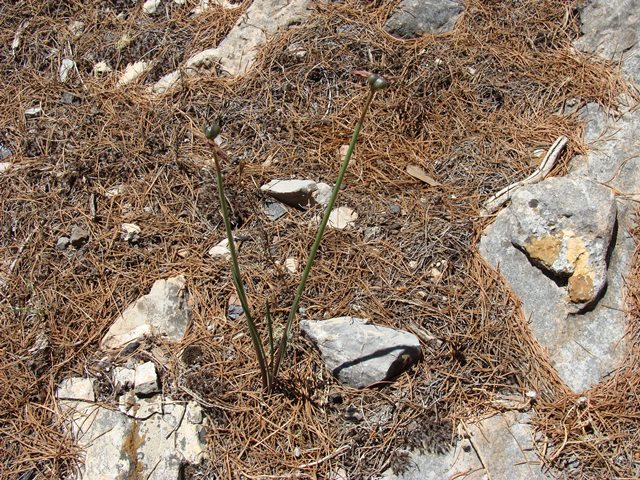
(270, 366)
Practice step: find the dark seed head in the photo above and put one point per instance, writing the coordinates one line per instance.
(376, 82)
(212, 131)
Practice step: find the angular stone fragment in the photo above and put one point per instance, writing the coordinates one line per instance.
(359, 353)
(146, 379)
(564, 225)
(163, 311)
(295, 193)
(413, 18)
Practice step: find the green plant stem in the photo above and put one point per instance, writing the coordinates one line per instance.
(237, 280)
(316, 244)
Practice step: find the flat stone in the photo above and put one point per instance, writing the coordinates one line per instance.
(505, 445)
(76, 388)
(459, 462)
(109, 443)
(274, 210)
(564, 225)
(295, 193)
(163, 311)
(153, 439)
(413, 18)
(342, 217)
(500, 447)
(5, 152)
(359, 353)
(79, 236)
(33, 112)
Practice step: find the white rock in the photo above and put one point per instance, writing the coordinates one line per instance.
(76, 388)
(221, 249)
(342, 217)
(194, 413)
(163, 311)
(291, 264)
(4, 166)
(123, 378)
(295, 192)
(66, 68)
(322, 193)
(150, 6)
(33, 111)
(146, 379)
(101, 68)
(202, 59)
(133, 72)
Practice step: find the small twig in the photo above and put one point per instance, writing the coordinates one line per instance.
(339, 451)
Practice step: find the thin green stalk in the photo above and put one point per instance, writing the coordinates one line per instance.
(237, 280)
(314, 249)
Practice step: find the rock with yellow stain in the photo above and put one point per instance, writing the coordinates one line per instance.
(564, 226)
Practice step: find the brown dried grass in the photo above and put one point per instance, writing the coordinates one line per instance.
(473, 130)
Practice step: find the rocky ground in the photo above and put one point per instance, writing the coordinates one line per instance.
(472, 312)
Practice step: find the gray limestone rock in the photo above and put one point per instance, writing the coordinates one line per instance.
(163, 311)
(414, 18)
(582, 347)
(564, 225)
(359, 353)
(147, 438)
(459, 462)
(500, 447)
(612, 29)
